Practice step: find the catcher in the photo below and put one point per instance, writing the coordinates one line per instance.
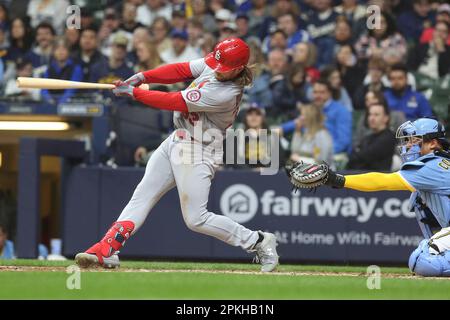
(425, 172)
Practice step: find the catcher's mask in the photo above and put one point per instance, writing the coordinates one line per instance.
(411, 135)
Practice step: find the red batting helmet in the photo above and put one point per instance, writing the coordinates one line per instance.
(228, 55)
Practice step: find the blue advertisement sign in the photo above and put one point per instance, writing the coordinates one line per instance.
(325, 225)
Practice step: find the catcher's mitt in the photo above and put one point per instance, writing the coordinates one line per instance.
(304, 175)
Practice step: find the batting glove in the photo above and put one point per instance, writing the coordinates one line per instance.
(136, 80)
(123, 89)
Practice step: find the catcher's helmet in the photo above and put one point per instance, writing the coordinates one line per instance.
(229, 54)
(411, 135)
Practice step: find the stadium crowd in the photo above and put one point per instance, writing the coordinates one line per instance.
(333, 85)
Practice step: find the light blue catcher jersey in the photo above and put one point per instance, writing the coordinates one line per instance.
(429, 175)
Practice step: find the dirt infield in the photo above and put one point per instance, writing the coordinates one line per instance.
(236, 272)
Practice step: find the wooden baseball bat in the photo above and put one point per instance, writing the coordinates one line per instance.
(57, 84)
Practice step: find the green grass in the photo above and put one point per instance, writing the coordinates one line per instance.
(206, 266)
(197, 285)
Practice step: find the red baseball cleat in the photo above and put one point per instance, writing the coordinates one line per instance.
(105, 252)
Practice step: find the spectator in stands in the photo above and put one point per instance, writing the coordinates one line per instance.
(321, 23)
(270, 88)
(4, 43)
(109, 26)
(200, 11)
(257, 63)
(49, 11)
(4, 17)
(147, 56)
(277, 9)
(375, 150)
(242, 28)
(88, 55)
(384, 42)
(253, 151)
(412, 23)
(87, 19)
(362, 126)
(129, 23)
(116, 68)
(24, 69)
(342, 34)
(288, 22)
(340, 94)
(259, 93)
(7, 251)
(276, 40)
(257, 15)
(338, 120)
(142, 155)
(147, 12)
(373, 82)
(195, 33)
(222, 17)
(396, 118)
(180, 51)
(179, 20)
(305, 53)
(300, 88)
(5, 27)
(442, 15)
(311, 142)
(352, 73)
(433, 59)
(62, 67)
(41, 53)
(207, 44)
(243, 7)
(160, 30)
(20, 39)
(284, 6)
(216, 5)
(227, 31)
(6, 246)
(385, 6)
(401, 97)
(351, 10)
(140, 35)
(72, 36)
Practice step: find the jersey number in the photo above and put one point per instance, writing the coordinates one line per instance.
(192, 117)
(445, 164)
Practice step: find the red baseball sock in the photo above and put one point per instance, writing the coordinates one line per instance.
(113, 240)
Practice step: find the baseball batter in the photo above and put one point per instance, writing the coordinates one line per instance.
(189, 157)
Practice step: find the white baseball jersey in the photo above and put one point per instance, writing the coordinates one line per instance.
(212, 104)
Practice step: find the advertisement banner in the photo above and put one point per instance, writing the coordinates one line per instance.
(325, 224)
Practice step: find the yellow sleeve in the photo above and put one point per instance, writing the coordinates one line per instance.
(375, 181)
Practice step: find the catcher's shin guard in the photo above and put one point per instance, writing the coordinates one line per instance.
(426, 264)
(113, 240)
